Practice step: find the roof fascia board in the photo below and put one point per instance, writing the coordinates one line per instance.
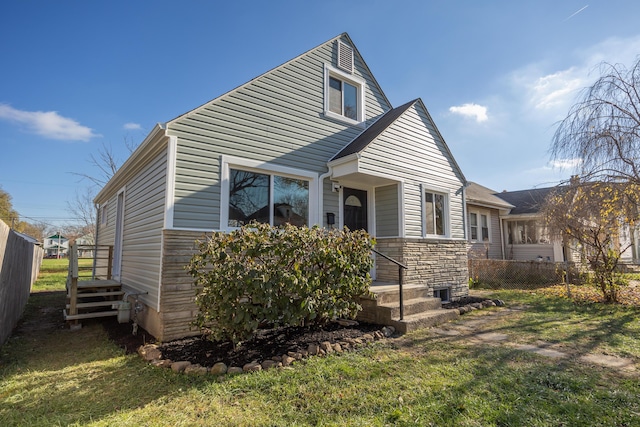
(115, 182)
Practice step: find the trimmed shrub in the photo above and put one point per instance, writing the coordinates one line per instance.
(285, 276)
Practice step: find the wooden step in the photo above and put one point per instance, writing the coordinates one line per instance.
(97, 284)
(89, 315)
(98, 294)
(93, 304)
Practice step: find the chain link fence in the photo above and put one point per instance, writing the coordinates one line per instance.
(504, 274)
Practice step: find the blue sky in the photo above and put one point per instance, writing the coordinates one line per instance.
(496, 76)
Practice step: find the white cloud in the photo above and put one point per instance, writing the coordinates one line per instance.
(478, 112)
(551, 92)
(565, 163)
(48, 124)
(557, 89)
(132, 126)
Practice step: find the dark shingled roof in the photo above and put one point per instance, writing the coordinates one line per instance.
(478, 194)
(526, 201)
(373, 131)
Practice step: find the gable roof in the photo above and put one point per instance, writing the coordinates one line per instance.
(345, 35)
(480, 195)
(526, 201)
(373, 131)
(367, 136)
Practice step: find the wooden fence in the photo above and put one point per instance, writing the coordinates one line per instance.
(20, 262)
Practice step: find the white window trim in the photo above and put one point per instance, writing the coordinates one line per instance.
(359, 83)
(230, 162)
(424, 188)
(104, 214)
(479, 213)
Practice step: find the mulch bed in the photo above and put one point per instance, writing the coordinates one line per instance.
(266, 344)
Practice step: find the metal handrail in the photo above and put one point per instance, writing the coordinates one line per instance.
(400, 267)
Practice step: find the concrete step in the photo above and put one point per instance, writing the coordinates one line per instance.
(424, 320)
(390, 293)
(411, 306)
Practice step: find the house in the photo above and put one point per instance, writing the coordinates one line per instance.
(312, 141)
(525, 236)
(517, 224)
(85, 245)
(55, 246)
(484, 229)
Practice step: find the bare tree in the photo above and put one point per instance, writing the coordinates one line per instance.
(81, 207)
(105, 163)
(83, 210)
(594, 215)
(602, 130)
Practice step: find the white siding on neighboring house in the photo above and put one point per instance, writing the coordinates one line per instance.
(387, 221)
(478, 248)
(276, 118)
(412, 150)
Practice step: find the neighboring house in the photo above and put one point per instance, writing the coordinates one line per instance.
(85, 245)
(523, 235)
(55, 246)
(484, 231)
(313, 141)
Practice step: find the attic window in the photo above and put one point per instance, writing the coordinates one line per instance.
(343, 96)
(345, 57)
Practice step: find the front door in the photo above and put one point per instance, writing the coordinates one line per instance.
(355, 208)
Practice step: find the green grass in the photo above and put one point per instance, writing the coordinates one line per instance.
(51, 376)
(53, 274)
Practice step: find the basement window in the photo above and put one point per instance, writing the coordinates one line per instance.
(444, 294)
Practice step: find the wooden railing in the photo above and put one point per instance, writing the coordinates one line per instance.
(94, 277)
(102, 265)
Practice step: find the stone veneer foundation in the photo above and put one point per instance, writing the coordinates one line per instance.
(437, 263)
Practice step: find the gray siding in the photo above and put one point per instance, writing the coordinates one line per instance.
(106, 235)
(331, 203)
(529, 252)
(387, 221)
(143, 223)
(277, 118)
(411, 150)
(479, 249)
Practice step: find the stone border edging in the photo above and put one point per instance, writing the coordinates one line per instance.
(152, 354)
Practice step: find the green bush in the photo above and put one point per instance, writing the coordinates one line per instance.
(284, 276)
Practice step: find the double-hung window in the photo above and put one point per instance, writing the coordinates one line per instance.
(344, 96)
(479, 227)
(435, 213)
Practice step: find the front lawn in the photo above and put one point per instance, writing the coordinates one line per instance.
(51, 376)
